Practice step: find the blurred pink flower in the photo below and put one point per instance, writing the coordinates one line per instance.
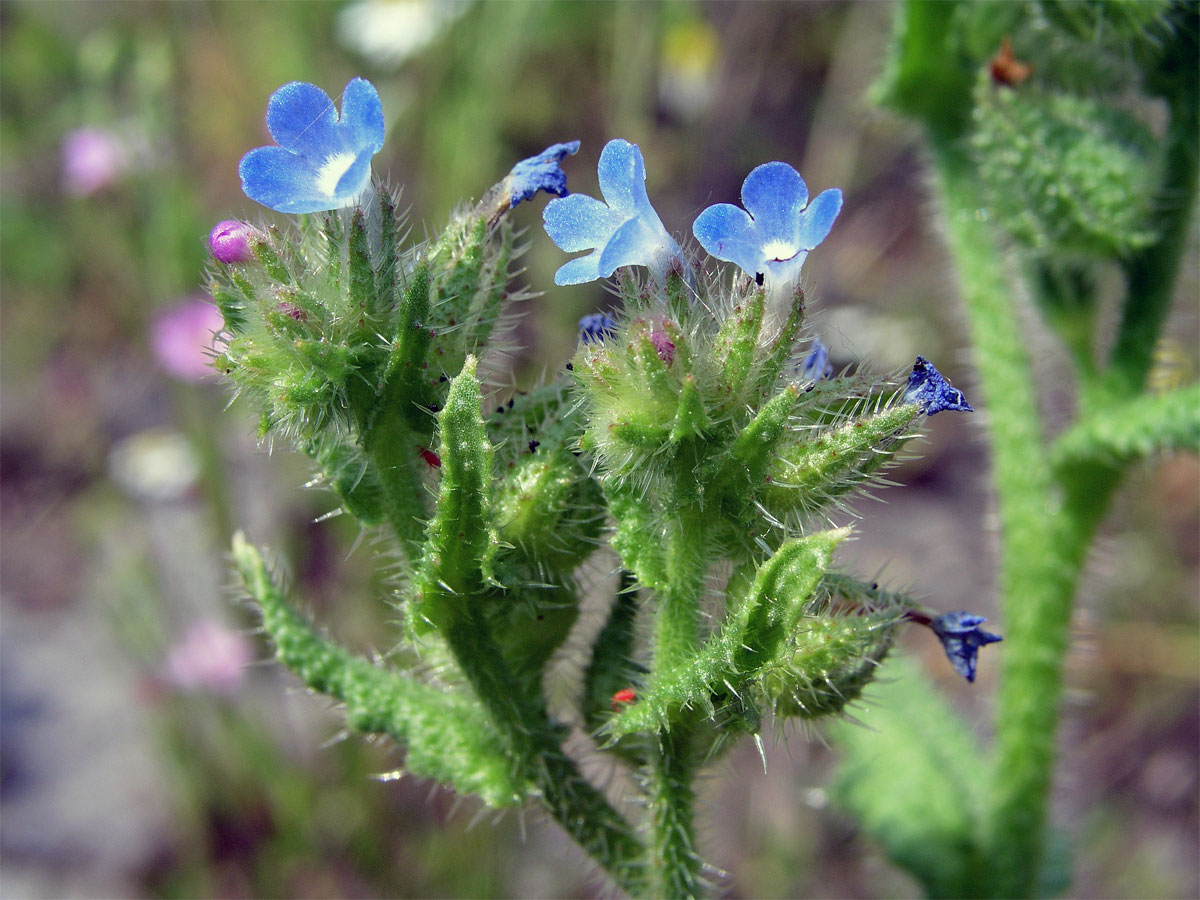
(210, 658)
(92, 158)
(182, 337)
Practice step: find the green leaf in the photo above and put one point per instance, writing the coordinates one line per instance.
(913, 776)
(447, 734)
(1064, 174)
(1134, 429)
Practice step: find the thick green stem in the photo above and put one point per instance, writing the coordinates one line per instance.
(1047, 518)
(1036, 587)
(1152, 271)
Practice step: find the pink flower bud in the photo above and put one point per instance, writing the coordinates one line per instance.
(230, 242)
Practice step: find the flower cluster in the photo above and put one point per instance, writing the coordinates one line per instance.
(693, 388)
(769, 240)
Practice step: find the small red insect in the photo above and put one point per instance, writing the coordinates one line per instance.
(622, 697)
(435, 461)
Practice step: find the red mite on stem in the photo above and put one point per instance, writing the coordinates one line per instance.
(622, 697)
(435, 461)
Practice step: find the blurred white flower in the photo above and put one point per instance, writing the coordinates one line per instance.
(156, 465)
(387, 32)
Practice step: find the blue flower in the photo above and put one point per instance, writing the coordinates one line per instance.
(323, 161)
(623, 231)
(595, 327)
(773, 234)
(961, 638)
(930, 390)
(539, 173)
(816, 365)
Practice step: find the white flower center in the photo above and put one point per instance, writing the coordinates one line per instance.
(335, 166)
(779, 251)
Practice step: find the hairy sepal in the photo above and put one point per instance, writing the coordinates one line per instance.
(720, 681)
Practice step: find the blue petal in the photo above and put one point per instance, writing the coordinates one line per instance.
(930, 390)
(362, 116)
(630, 245)
(727, 232)
(622, 174)
(540, 173)
(638, 243)
(579, 271)
(580, 222)
(595, 327)
(775, 194)
(277, 178)
(302, 118)
(817, 220)
(353, 183)
(816, 364)
(288, 182)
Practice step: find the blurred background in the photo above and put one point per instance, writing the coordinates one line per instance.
(146, 748)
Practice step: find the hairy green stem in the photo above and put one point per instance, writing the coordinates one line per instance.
(537, 756)
(1037, 589)
(1152, 271)
(673, 861)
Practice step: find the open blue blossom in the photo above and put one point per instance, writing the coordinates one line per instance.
(622, 231)
(961, 638)
(323, 161)
(930, 390)
(595, 327)
(539, 173)
(773, 234)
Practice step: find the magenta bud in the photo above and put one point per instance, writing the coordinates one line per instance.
(664, 345)
(230, 242)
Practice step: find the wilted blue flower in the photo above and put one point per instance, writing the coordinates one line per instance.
(961, 638)
(816, 365)
(323, 161)
(623, 231)
(773, 234)
(539, 173)
(596, 327)
(930, 390)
